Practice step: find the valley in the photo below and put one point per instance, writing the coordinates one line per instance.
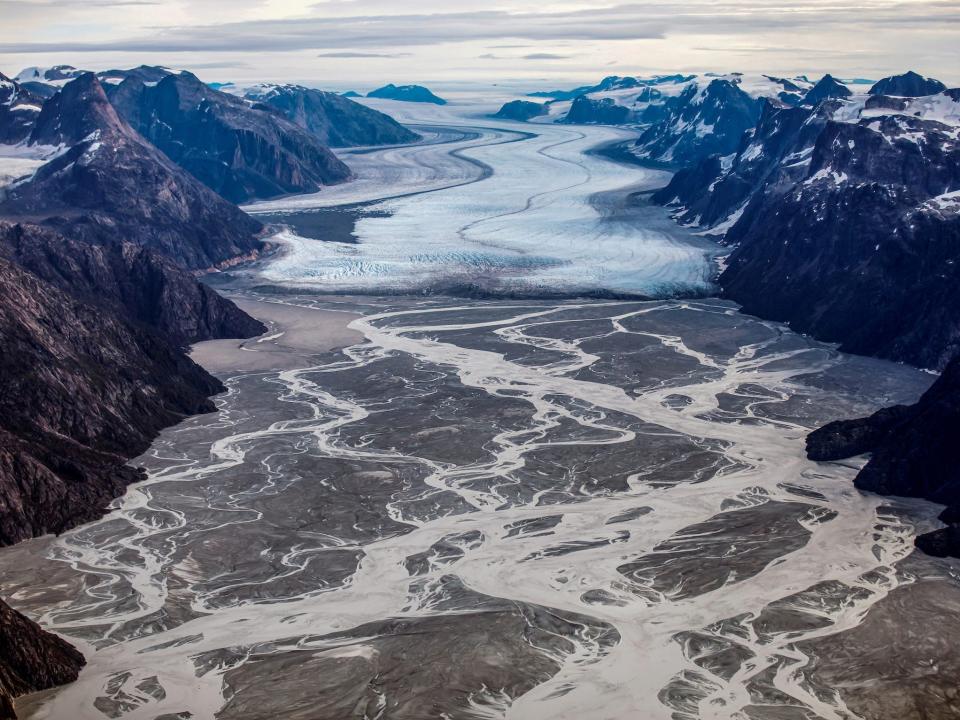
(573, 497)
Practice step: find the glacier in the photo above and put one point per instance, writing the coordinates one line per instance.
(494, 207)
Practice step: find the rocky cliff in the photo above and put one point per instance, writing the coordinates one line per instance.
(31, 659)
(910, 84)
(232, 146)
(336, 120)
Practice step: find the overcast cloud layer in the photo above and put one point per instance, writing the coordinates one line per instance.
(337, 43)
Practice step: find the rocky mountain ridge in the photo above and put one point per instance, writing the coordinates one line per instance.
(109, 183)
(239, 150)
(335, 119)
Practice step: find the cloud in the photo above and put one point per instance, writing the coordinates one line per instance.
(601, 23)
(546, 56)
(348, 54)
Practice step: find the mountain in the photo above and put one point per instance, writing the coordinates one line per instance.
(18, 111)
(828, 88)
(699, 122)
(45, 82)
(334, 119)
(240, 151)
(612, 82)
(406, 93)
(111, 184)
(910, 84)
(844, 221)
(913, 453)
(605, 111)
(521, 110)
(31, 659)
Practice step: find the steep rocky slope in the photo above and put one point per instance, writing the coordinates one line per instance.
(31, 659)
(603, 111)
(83, 387)
(827, 88)
(111, 185)
(336, 120)
(700, 122)
(844, 221)
(134, 281)
(240, 151)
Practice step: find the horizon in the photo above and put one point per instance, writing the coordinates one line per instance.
(527, 43)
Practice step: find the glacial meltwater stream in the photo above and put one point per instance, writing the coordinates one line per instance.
(521, 508)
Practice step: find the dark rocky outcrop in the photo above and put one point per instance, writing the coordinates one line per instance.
(31, 659)
(910, 84)
(827, 89)
(913, 453)
(845, 226)
(521, 110)
(605, 111)
(239, 150)
(19, 109)
(334, 119)
(700, 122)
(83, 390)
(130, 280)
(406, 93)
(113, 186)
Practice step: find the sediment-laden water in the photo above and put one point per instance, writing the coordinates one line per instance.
(492, 509)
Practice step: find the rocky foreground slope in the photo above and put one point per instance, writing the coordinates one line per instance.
(98, 302)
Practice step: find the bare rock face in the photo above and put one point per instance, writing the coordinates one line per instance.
(81, 390)
(914, 453)
(238, 149)
(31, 659)
(336, 120)
(133, 281)
(111, 185)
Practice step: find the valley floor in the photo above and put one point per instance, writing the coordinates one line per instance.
(414, 506)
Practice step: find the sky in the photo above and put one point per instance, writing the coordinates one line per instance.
(361, 44)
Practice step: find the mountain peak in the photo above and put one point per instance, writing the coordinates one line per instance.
(73, 114)
(910, 84)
